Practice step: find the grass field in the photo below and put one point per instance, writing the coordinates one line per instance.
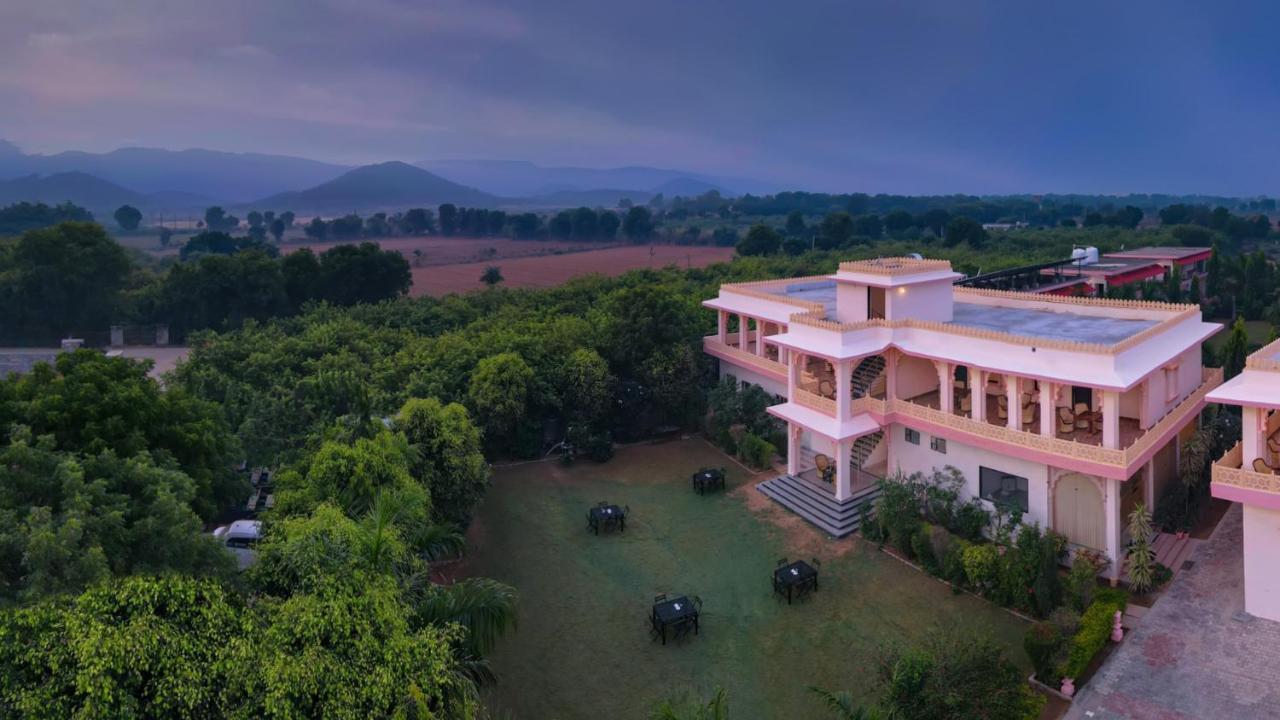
(583, 650)
(1259, 332)
(551, 270)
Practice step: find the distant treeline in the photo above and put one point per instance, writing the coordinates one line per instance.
(24, 216)
(584, 223)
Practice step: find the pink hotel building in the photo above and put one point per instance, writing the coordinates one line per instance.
(1069, 409)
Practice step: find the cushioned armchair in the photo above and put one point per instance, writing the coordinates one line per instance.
(1066, 421)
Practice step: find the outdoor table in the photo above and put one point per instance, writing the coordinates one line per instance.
(674, 613)
(799, 575)
(606, 514)
(707, 479)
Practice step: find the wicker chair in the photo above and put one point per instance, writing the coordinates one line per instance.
(1066, 421)
(1081, 412)
(1002, 407)
(825, 468)
(1029, 414)
(1261, 466)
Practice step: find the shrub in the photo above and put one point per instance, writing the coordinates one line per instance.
(981, 565)
(1142, 561)
(869, 525)
(922, 549)
(1082, 581)
(971, 519)
(951, 565)
(1042, 643)
(1095, 628)
(1066, 620)
(756, 451)
(898, 512)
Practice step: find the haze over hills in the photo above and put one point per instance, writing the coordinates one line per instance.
(518, 178)
(89, 192)
(213, 175)
(384, 186)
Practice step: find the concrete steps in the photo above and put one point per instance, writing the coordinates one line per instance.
(816, 505)
(1171, 551)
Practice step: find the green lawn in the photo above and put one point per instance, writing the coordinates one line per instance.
(583, 650)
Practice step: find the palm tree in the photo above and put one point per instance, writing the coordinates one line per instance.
(691, 708)
(843, 706)
(485, 608)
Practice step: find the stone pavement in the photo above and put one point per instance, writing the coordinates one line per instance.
(1196, 655)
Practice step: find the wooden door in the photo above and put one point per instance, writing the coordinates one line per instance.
(1078, 511)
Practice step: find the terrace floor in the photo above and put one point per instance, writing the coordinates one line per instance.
(1196, 654)
(1130, 431)
(1051, 324)
(582, 649)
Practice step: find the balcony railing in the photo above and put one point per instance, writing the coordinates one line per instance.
(1044, 443)
(1230, 470)
(713, 345)
(815, 402)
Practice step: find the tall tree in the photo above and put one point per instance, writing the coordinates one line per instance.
(501, 393)
(64, 278)
(448, 214)
(128, 217)
(447, 457)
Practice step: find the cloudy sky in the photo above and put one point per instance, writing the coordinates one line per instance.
(892, 96)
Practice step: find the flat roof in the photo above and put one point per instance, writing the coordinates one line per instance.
(1160, 252)
(1109, 266)
(814, 291)
(1056, 324)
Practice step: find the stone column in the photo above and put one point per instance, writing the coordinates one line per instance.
(946, 386)
(890, 374)
(1013, 399)
(978, 393)
(1111, 506)
(793, 448)
(844, 388)
(1110, 419)
(722, 326)
(793, 374)
(1048, 409)
(1251, 434)
(1149, 485)
(760, 337)
(843, 471)
(117, 335)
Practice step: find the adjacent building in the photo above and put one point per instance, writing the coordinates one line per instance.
(1068, 409)
(1247, 474)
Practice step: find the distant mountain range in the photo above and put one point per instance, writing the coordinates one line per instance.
(187, 181)
(385, 186)
(518, 178)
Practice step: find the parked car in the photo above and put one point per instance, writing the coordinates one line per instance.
(240, 537)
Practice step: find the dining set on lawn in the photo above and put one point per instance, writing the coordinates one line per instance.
(607, 515)
(678, 613)
(708, 479)
(795, 579)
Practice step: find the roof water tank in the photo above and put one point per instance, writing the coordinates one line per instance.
(1085, 255)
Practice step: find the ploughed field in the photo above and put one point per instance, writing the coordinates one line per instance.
(548, 270)
(582, 649)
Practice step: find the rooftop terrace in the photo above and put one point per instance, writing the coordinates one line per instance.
(814, 291)
(1056, 324)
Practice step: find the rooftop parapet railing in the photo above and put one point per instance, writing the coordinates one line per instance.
(895, 266)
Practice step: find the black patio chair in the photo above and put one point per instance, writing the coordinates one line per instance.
(815, 563)
(655, 632)
(660, 597)
(590, 523)
(697, 604)
(782, 562)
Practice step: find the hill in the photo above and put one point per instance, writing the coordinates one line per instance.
(89, 192)
(221, 176)
(685, 187)
(385, 186)
(518, 178)
(605, 198)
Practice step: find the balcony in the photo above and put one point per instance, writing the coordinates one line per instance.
(1233, 481)
(1112, 462)
(730, 352)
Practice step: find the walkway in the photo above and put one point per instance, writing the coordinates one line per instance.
(1196, 654)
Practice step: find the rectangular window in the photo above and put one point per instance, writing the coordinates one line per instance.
(938, 444)
(913, 436)
(1002, 488)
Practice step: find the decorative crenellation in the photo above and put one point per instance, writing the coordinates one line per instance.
(1072, 300)
(750, 289)
(1264, 358)
(1229, 470)
(894, 266)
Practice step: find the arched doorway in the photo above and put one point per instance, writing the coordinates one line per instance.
(1078, 511)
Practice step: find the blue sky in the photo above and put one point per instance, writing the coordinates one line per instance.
(911, 97)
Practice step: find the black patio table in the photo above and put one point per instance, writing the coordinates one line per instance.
(708, 479)
(799, 576)
(605, 515)
(673, 613)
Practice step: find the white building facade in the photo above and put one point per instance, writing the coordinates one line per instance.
(1067, 409)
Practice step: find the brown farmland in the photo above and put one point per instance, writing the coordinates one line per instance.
(551, 270)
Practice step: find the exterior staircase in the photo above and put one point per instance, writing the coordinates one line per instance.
(867, 373)
(863, 447)
(1170, 551)
(817, 505)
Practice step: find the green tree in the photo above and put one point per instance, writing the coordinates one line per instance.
(255, 219)
(64, 278)
(609, 224)
(760, 240)
(364, 273)
(967, 231)
(288, 217)
(448, 214)
(317, 229)
(500, 393)
(491, 276)
(834, 230)
(217, 220)
(353, 475)
(641, 320)
(690, 707)
(418, 221)
(127, 217)
(1236, 349)
(1141, 561)
(586, 225)
(795, 224)
(638, 224)
(447, 457)
(587, 387)
(277, 229)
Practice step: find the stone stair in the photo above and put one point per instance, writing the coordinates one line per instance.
(863, 447)
(1171, 551)
(817, 506)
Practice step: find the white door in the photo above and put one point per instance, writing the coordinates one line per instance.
(1078, 511)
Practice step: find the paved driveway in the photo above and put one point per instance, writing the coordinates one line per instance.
(1196, 654)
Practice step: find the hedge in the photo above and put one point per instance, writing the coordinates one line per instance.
(1095, 629)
